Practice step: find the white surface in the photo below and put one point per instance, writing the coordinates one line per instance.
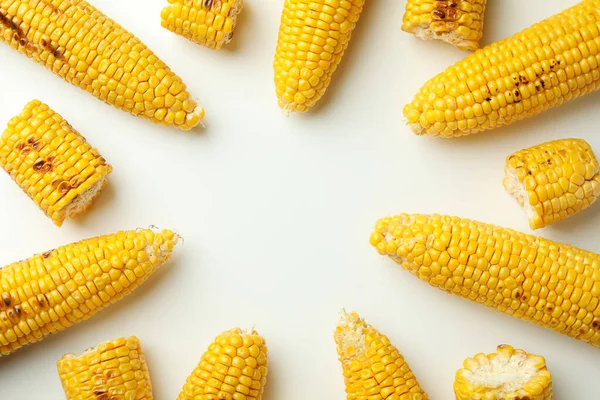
(277, 211)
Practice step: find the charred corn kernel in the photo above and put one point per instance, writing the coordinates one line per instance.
(554, 285)
(533, 177)
(80, 44)
(112, 370)
(541, 67)
(458, 22)
(52, 162)
(508, 374)
(313, 36)
(372, 366)
(54, 290)
(207, 22)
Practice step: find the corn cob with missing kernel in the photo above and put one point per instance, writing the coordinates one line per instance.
(541, 67)
(54, 290)
(554, 285)
(112, 370)
(84, 47)
(372, 366)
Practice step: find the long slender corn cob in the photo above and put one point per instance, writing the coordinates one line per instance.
(554, 285)
(233, 368)
(553, 180)
(312, 39)
(458, 22)
(54, 290)
(84, 47)
(508, 374)
(541, 67)
(207, 22)
(112, 370)
(373, 368)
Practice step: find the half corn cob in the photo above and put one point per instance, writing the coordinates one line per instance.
(373, 368)
(458, 22)
(84, 47)
(508, 374)
(52, 162)
(312, 39)
(553, 180)
(207, 22)
(54, 290)
(554, 285)
(233, 368)
(113, 370)
(541, 67)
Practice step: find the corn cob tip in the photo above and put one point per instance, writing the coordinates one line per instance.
(349, 336)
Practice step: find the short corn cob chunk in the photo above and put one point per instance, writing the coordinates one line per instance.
(541, 67)
(113, 370)
(207, 22)
(233, 368)
(373, 368)
(553, 180)
(313, 37)
(84, 47)
(554, 285)
(508, 374)
(458, 22)
(54, 290)
(52, 162)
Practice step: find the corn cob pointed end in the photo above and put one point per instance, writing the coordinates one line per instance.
(350, 336)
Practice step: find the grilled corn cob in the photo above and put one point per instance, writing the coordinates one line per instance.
(312, 39)
(84, 47)
(554, 285)
(541, 67)
(207, 22)
(553, 180)
(233, 368)
(508, 374)
(458, 22)
(373, 368)
(113, 370)
(54, 290)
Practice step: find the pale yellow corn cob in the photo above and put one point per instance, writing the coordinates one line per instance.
(54, 290)
(84, 47)
(554, 285)
(111, 371)
(373, 368)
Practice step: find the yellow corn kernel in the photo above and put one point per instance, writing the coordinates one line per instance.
(112, 370)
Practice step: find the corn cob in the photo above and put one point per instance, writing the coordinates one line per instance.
(233, 368)
(113, 370)
(541, 67)
(554, 180)
(54, 290)
(84, 47)
(458, 22)
(554, 285)
(508, 374)
(373, 368)
(207, 22)
(312, 39)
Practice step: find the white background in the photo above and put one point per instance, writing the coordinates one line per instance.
(276, 212)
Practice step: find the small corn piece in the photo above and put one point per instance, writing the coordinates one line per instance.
(207, 22)
(233, 368)
(541, 67)
(554, 285)
(54, 290)
(113, 370)
(372, 366)
(458, 22)
(553, 180)
(84, 47)
(313, 37)
(508, 374)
